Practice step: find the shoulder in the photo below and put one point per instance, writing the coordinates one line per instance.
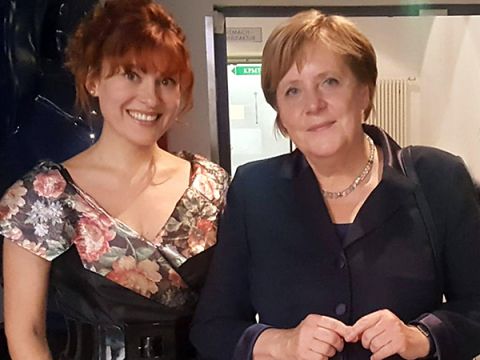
(444, 177)
(259, 181)
(208, 178)
(33, 211)
(210, 170)
(45, 174)
(44, 181)
(434, 156)
(434, 163)
(263, 172)
(43, 166)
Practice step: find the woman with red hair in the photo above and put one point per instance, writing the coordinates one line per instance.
(122, 230)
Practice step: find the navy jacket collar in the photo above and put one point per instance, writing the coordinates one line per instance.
(391, 193)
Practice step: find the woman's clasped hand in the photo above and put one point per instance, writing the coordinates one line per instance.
(321, 337)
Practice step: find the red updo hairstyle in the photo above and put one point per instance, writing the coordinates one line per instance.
(127, 34)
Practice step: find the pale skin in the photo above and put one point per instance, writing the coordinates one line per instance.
(25, 293)
(321, 107)
(127, 174)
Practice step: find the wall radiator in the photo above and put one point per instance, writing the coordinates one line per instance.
(390, 109)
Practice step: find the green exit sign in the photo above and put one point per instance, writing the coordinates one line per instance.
(247, 70)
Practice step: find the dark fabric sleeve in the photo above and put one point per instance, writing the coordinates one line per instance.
(224, 311)
(455, 325)
(430, 321)
(244, 348)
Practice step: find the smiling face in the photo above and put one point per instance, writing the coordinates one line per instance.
(321, 103)
(137, 105)
(126, 32)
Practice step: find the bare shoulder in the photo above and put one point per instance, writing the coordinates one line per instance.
(88, 173)
(78, 162)
(173, 161)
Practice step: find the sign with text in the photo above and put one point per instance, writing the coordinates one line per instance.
(247, 70)
(252, 34)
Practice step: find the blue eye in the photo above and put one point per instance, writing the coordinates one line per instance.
(331, 82)
(292, 91)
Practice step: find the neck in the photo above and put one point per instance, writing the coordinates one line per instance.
(335, 173)
(122, 157)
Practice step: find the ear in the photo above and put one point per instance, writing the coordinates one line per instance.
(91, 84)
(281, 128)
(364, 96)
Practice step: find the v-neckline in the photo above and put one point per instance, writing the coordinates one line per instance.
(119, 223)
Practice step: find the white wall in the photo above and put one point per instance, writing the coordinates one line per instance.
(195, 132)
(451, 71)
(442, 54)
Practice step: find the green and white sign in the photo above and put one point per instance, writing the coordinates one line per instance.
(247, 70)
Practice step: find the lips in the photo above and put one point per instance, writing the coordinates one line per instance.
(143, 116)
(322, 126)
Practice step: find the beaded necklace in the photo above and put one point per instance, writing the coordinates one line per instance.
(366, 170)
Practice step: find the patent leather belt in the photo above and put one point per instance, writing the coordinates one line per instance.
(166, 340)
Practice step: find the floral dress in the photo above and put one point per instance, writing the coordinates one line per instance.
(108, 279)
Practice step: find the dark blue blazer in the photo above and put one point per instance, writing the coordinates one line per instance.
(279, 256)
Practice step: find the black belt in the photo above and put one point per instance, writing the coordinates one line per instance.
(166, 340)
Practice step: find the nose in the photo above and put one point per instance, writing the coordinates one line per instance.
(315, 101)
(148, 93)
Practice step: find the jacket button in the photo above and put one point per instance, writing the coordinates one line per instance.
(340, 309)
(341, 262)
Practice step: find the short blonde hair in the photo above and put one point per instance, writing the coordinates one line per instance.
(287, 43)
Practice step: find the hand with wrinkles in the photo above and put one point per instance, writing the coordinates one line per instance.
(317, 337)
(384, 334)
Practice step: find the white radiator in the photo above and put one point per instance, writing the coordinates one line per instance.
(390, 107)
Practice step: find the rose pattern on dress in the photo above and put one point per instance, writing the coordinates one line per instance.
(201, 237)
(12, 201)
(92, 238)
(140, 277)
(46, 213)
(50, 184)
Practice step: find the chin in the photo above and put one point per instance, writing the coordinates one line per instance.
(144, 142)
(324, 150)
(322, 154)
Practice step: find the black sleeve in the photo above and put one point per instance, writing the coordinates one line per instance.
(224, 311)
(455, 326)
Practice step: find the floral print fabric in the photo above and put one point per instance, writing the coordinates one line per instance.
(46, 213)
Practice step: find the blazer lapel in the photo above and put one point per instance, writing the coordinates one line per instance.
(393, 191)
(300, 191)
